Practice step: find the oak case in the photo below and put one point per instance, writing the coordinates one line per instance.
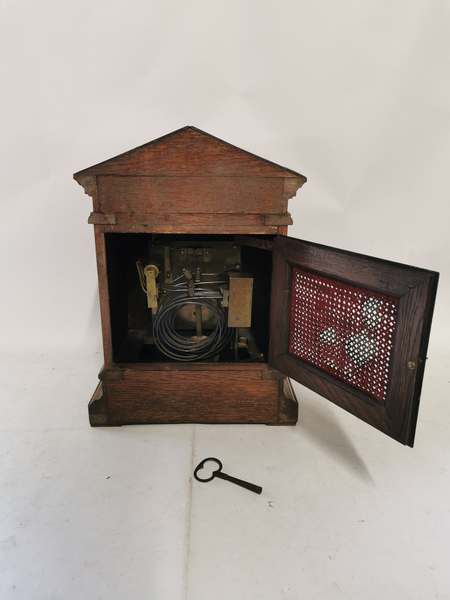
(352, 328)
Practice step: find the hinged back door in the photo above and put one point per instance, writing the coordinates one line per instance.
(353, 329)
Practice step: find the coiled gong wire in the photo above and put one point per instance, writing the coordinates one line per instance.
(183, 348)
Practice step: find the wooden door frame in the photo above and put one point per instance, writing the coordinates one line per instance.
(415, 289)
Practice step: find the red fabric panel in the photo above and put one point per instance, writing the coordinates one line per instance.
(344, 330)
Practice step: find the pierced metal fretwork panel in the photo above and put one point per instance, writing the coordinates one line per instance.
(344, 330)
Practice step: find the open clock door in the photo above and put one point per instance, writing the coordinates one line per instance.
(354, 329)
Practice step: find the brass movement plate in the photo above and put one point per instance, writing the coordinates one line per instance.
(240, 302)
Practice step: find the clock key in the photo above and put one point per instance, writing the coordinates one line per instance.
(257, 489)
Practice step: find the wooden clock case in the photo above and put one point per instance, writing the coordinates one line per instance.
(353, 328)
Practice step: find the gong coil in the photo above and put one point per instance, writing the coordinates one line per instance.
(177, 346)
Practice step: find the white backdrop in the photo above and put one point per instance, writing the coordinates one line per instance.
(354, 95)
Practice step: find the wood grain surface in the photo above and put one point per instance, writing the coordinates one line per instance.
(193, 395)
(189, 151)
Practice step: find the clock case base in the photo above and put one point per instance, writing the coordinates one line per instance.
(199, 394)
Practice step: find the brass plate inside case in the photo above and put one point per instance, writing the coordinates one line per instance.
(240, 301)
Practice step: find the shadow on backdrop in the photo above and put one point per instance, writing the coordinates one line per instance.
(323, 429)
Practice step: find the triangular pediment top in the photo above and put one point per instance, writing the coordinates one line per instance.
(188, 151)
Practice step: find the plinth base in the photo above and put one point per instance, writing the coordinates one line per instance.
(194, 393)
